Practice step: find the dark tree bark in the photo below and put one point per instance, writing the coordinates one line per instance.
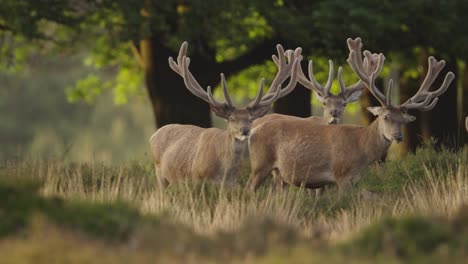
(297, 103)
(412, 131)
(172, 103)
(463, 105)
(444, 124)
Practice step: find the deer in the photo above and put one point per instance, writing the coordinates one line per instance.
(190, 152)
(311, 155)
(333, 105)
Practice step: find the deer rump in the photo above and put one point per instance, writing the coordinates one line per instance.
(181, 151)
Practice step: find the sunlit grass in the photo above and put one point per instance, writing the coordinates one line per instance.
(395, 206)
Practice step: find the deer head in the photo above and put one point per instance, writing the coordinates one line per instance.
(240, 119)
(391, 117)
(334, 105)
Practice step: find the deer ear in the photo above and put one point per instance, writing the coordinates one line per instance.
(408, 118)
(223, 112)
(354, 96)
(319, 97)
(375, 110)
(259, 112)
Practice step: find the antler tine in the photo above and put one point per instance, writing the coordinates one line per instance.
(340, 81)
(270, 97)
(356, 46)
(363, 72)
(213, 101)
(422, 99)
(285, 69)
(373, 62)
(370, 82)
(447, 80)
(370, 64)
(280, 62)
(186, 76)
(181, 68)
(331, 74)
(312, 83)
(225, 91)
(259, 96)
(375, 91)
(268, 100)
(182, 53)
(295, 64)
(389, 92)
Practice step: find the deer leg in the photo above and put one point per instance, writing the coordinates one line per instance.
(344, 184)
(257, 177)
(278, 183)
(163, 183)
(319, 192)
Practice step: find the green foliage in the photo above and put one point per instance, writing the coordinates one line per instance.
(19, 202)
(393, 175)
(412, 237)
(220, 30)
(404, 237)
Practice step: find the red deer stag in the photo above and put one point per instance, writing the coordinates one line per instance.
(316, 155)
(191, 152)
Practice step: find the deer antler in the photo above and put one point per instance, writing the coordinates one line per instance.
(369, 64)
(182, 68)
(422, 99)
(190, 82)
(364, 72)
(288, 64)
(313, 84)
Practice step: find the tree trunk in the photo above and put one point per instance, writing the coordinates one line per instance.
(412, 130)
(172, 103)
(297, 103)
(463, 105)
(444, 125)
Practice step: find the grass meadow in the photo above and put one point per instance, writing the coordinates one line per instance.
(413, 209)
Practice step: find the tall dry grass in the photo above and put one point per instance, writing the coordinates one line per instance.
(209, 209)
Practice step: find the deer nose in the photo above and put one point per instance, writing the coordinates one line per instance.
(398, 136)
(245, 131)
(334, 113)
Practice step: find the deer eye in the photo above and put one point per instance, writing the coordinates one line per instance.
(344, 104)
(324, 103)
(385, 117)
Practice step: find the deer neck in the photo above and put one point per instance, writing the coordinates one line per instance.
(374, 142)
(233, 150)
(234, 147)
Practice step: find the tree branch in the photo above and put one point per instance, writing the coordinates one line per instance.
(137, 54)
(256, 55)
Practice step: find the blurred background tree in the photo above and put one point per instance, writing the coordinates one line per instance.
(127, 43)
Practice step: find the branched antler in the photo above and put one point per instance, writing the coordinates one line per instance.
(287, 62)
(422, 100)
